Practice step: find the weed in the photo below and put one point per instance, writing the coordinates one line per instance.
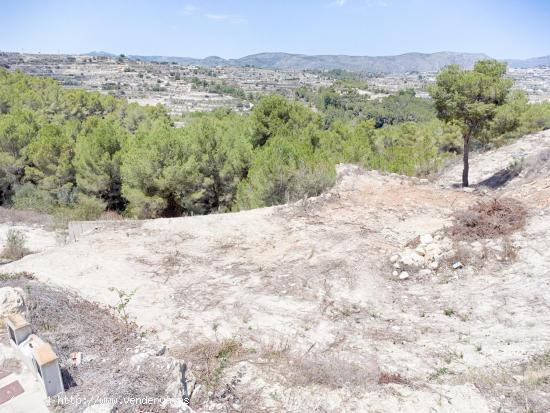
(441, 371)
(123, 301)
(449, 312)
(509, 250)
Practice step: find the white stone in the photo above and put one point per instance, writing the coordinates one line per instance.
(411, 258)
(404, 275)
(434, 265)
(395, 273)
(420, 251)
(426, 239)
(12, 301)
(425, 272)
(394, 258)
(457, 265)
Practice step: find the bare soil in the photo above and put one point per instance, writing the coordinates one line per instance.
(307, 293)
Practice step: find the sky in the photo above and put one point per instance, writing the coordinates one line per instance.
(236, 28)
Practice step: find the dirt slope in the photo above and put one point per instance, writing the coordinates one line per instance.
(322, 319)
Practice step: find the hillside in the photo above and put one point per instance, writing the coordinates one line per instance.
(408, 62)
(334, 303)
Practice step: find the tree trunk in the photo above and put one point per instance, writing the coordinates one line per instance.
(466, 160)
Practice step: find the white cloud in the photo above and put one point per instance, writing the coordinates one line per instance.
(192, 10)
(339, 3)
(224, 17)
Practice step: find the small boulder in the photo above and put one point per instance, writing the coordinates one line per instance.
(426, 239)
(420, 251)
(434, 265)
(404, 275)
(412, 258)
(12, 301)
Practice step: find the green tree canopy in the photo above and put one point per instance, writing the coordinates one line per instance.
(470, 99)
(98, 158)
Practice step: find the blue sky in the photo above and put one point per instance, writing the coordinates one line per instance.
(235, 28)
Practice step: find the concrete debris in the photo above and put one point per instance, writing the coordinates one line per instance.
(76, 358)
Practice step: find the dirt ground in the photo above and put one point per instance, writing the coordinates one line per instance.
(298, 308)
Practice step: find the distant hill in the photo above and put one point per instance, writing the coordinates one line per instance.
(528, 63)
(409, 62)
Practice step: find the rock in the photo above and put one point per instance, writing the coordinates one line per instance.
(12, 301)
(99, 408)
(412, 258)
(395, 273)
(426, 239)
(394, 258)
(425, 272)
(457, 265)
(420, 251)
(434, 265)
(404, 275)
(468, 189)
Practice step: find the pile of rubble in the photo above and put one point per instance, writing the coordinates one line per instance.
(429, 255)
(423, 259)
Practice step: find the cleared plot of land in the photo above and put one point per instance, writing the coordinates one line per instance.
(298, 308)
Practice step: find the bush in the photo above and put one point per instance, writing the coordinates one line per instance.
(15, 245)
(30, 197)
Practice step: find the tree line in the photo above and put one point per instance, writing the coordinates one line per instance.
(82, 153)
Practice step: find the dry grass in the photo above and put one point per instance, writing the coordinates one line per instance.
(388, 378)
(489, 219)
(209, 359)
(111, 216)
(207, 362)
(18, 216)
(326, 371)
(72, 324)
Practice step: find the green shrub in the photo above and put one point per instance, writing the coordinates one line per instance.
(15, 249)
(29, 196)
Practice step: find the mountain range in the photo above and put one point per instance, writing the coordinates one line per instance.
(408, 62)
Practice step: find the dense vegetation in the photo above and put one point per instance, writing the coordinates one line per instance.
(79, 154)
